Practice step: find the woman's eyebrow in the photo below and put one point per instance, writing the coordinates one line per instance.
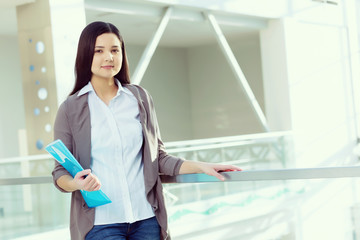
(115, 46)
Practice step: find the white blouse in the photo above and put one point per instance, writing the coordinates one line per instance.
(116, 142)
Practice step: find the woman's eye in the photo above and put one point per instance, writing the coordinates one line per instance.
(98, 51)
(116, 50)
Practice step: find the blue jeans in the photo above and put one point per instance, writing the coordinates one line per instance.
(147, 229)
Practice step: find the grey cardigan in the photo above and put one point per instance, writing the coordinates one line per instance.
(72, 126)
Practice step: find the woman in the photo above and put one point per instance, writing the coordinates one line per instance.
(110, 126)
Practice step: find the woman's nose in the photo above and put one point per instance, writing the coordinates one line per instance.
(109, 57)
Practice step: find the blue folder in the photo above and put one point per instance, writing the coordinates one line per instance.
(62, 154)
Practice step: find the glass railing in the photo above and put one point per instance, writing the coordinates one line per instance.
(210, 210)
(256, 151)
(31, 206)
(34, 165)
(32, 209)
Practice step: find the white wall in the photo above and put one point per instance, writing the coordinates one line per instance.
(167, 81)
(195, 92)
(320, 91)
(12, 116)
(219, 106)
(316, 82)
(322, 120)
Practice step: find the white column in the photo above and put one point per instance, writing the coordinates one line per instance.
(67, 22)
(47, 44)
(275, 76)
(25, 170)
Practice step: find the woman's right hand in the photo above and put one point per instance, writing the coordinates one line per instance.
(87, 181)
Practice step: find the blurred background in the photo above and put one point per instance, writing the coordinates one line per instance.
(261, 84)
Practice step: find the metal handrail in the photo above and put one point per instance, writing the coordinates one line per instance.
(25, 180)
(275, 174)
(250, 175)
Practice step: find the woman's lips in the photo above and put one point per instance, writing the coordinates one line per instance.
(107, 67)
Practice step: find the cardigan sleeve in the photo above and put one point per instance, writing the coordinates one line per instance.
(168, 164)
(62, 131)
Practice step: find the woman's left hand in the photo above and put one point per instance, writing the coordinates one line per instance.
(207, 168)
(214, 169)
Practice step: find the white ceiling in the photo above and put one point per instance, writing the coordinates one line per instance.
(187, 26)
(138, 22)
(178, 33)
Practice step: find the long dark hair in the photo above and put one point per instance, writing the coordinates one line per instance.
(85, 54)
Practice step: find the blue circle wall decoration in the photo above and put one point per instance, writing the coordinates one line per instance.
(39, 144)
(31, 68)
(36, 111)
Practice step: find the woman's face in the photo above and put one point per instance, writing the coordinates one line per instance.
(107, 58)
